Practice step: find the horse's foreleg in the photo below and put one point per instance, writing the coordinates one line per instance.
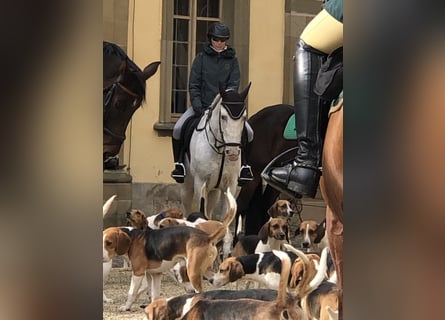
(187, 197)
(198, 193)
(213, 200)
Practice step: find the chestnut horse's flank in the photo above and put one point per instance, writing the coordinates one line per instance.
(332, 189)
(123, 94)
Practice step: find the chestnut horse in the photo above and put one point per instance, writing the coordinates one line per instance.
(331, 185)
(123, 94)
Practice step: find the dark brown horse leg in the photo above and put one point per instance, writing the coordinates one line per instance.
(334, 230)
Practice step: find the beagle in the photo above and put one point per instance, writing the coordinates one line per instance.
(322, 303)
(106, 266)
(314, 235)
(319, 297)
(264, 268)
(176, 307)
(281, 208)
(115, 235)
(153, 252)
(271, 235)
(208, 226)
(179, 271)
(284, 307)
(137, 218)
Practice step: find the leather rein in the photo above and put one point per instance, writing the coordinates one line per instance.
(110, 90)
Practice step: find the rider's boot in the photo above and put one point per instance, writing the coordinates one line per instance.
(178, 154)
(301, 177)
(245, 174)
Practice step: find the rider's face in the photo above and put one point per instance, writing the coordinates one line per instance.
(218, 44)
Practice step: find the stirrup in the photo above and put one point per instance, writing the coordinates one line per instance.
(245, 175)
(279, 186)
(179, 172)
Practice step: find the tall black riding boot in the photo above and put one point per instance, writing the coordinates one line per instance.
(245, 174)
(178, 154)
(302, 176)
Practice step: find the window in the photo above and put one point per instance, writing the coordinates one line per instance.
(191, 19)
(184, 32)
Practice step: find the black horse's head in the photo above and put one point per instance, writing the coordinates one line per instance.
(123, 94)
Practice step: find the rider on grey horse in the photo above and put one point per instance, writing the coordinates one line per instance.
(216, 64)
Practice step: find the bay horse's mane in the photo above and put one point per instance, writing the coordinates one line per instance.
(111, 49)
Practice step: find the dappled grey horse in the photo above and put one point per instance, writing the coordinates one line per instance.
(214, 157)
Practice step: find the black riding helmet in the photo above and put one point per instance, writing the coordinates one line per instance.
(218, 30)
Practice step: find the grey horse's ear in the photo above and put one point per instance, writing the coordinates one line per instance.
(245, 92)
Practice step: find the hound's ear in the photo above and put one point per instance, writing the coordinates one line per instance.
(272, 211)
(263, 234)
(236, 271)
(245, 91)
(286, 226)
(144, 223)
(150, 312)
(123, 243)
(320, 231)
(297, 232)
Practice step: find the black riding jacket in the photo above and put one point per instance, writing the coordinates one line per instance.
(208, 69)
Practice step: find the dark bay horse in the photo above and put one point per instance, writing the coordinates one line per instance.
(123, 94)
(254, 200)
(331, 182)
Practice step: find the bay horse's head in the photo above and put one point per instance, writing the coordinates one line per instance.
(123, 94)
(232, 117)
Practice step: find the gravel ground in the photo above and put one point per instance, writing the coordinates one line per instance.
(116, 288)
(117, 285)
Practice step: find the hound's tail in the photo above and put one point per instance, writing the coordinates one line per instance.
(311, 280)
(218, 234)
(285, 271)
(107, 205)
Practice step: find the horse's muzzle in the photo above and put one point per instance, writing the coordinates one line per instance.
(232, 153)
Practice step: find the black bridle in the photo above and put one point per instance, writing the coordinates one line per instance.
(219, 144)
(108, 93)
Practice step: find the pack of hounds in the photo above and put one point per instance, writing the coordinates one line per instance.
(295, 283)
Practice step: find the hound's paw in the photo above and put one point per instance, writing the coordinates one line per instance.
(124, 308)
